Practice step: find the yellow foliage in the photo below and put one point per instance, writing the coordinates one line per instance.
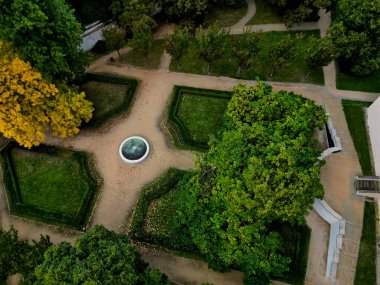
(29, 106)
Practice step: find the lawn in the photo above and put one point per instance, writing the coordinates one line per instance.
(265, 14)
(154, 57)
(370, 83)
(226, 17)
(355, 118)
(110, 95)
(296, 71)
(195, 114)
(366, 264)
(50, 185)
(154, 222)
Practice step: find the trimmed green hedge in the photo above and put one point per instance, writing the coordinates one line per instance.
(77, 220)
(152, 191)
(129, 96)
(177, 129)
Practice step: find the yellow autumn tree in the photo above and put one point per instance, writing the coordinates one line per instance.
(30, 106)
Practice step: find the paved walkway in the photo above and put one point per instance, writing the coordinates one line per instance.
(251, 11)
(122, 183)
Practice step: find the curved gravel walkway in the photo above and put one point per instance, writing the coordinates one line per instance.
(251, 11)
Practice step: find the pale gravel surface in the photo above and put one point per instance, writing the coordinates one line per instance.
(122, 183)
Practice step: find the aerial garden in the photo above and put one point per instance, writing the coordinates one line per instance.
(256, 170)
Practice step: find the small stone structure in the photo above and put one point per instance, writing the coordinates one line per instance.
(334, 141)
(337, 231)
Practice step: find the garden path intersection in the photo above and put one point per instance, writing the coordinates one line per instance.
(122, 183)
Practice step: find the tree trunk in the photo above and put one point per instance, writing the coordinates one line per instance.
(239, 70)
(307, 75)
(118, 52)
(271, 74)
(208, 67)
(177, 61)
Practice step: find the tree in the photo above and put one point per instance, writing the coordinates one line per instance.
(115, 39)
(98, 257)
(211, 44)
(176, 44)
(355, 33)
(17, 256)
(128, 11)
(296, 11)
(245, 48)
(142, 39)
(320, 53)
(30, 106)
(46, 34)
(188, 10)
(282, 52)
(261, 168)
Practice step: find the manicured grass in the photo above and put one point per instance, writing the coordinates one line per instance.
(110, 95)
(50, 185)
(226, 17)
(265, 14)
(296, 71)
(154, 222)
(355, 118)
(366, 264)
(154, 219)
(195, 114)
(134, 58)
(370, 83)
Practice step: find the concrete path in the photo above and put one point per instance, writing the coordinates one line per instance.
(251, 11)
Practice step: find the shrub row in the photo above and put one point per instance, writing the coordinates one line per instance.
(17, 207)
(155, 190)
(178, 131)
(124, 107)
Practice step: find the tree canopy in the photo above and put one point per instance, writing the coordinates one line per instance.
(46, 34)
(262, 168)
(30, 105)
(355, 33)
(98, 257)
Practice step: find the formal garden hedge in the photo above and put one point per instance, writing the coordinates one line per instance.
(203, 120)
(164, 234)
(124, 88)
(160, 187)
(50, 185)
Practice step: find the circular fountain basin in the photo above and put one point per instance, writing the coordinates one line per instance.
(134, 150)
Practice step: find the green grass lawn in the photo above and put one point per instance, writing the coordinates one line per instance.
(370, 83)
(355, 118)
(110, 96)
(195, 114)
(49, 185)
(296, 71)
(265, 14)
(154, 222)
(366, 264)
(153, 61)
(226, 17)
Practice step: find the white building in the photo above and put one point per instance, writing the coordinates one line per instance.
(374, 133)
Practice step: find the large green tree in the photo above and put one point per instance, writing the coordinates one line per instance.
(142, 39)
(262, 168)
(98, 257)
(46, 33)
(17, 256)
(210, 44)
(128, 11)
(177, 43)
(355, 32)
(245, 48)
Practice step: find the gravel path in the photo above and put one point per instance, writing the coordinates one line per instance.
(251, 11)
